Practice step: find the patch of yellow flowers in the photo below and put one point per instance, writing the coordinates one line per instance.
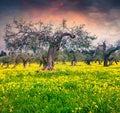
(93, 86)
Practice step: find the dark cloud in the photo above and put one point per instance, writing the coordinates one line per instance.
(93, 5)
(75, 5)
(104, 14)
(6, 5)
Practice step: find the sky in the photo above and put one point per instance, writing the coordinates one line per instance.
(101, 17)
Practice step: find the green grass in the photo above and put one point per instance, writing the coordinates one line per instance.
(79, 89)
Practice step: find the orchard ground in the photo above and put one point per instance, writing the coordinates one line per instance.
(66, 89)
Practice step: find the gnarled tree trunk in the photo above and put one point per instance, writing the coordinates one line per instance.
(50, 59)
(108, 53)
(106, 60)
(53, 48)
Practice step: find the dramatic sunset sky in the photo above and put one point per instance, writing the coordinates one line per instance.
(101, 17)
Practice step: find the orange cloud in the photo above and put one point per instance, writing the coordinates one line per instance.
(56, 16)
(57, 6)
(73, 18)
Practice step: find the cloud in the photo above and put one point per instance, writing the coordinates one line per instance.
(100, 16)
(75, 5)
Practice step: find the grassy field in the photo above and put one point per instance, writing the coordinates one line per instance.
(67, 89)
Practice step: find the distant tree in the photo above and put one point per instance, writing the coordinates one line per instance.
(108, 51)
(15, 59)
(22, 36)
(118, 43)
(61, 56)
(90, 54)
(3, 53)
(82, 43)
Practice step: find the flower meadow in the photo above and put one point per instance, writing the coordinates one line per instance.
(66, 89)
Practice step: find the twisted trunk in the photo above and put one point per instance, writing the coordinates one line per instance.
(53, 48)
(106, 60)
(108, 53)
(50, 59)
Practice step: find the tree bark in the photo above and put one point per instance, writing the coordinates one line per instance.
(50, 59)
(105, 60)
(108, 53)
(53, 48)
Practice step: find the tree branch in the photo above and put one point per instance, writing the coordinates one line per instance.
(111, 50)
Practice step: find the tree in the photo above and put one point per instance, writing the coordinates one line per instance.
(54, 47)
(22, 36)
(2, 53)
(82, 43)
(89, 56)
(15, 35)
(108, 51)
